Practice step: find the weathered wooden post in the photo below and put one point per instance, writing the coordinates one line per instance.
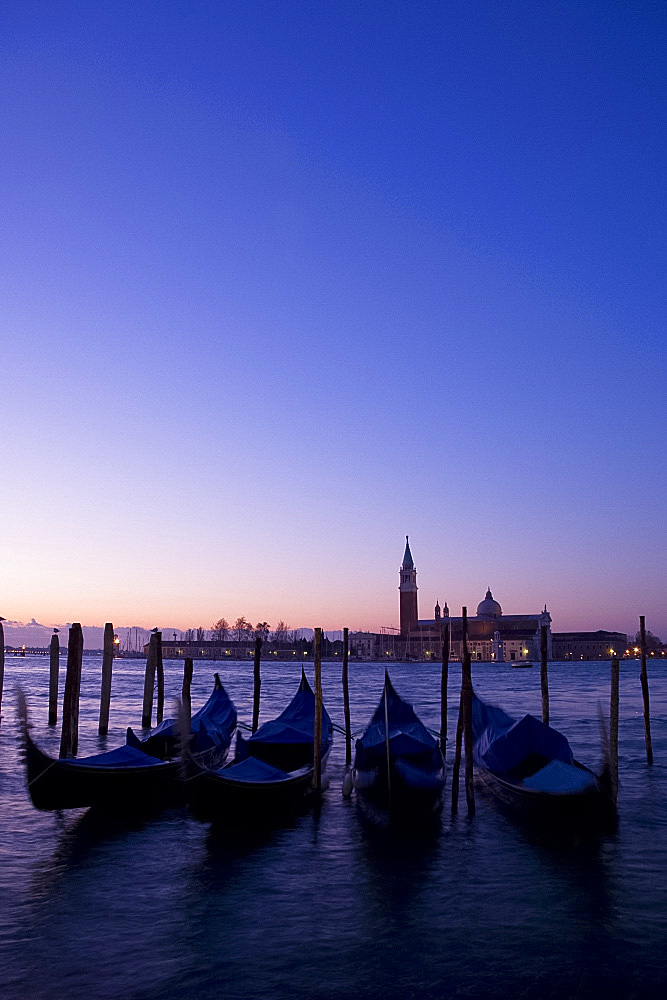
(2, 660)
(444, 676)
(466, 687)
(643, 676)
(317, 727)
(256, 683)
(386, 737)
(159, 669)
(544, 677)
(346, 698)
(458, 745)
(54, 670)
(187, 681)
(107, 667)
(149, 682)
(613, 728)
(69, 738)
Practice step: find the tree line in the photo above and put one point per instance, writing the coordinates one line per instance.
(222, 631)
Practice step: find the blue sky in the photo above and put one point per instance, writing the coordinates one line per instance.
(285, 281)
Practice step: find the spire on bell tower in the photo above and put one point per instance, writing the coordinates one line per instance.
(408, 591)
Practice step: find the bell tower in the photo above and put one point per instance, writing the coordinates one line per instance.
(407, 589)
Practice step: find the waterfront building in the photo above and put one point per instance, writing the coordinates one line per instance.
(598, 645)
(363, 645)
(232, 649)
(491, 634)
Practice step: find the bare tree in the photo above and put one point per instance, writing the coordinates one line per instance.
(281, 632)
(189, 635)
(653, 643)
(220, 630)
(201, 633)
(239, 628)
(262, 629)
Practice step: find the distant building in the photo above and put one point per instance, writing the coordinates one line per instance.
(491, 634)
(202, 649)
(244, 649)
(407, 589)
(598, 645)
(363, 645)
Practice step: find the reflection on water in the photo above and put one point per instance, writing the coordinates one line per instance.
(328, 904)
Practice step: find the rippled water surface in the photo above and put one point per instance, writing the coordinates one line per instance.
(172, 908)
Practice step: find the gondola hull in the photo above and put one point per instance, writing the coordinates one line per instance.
(529, 768)
(399, 769)
(398, 795)
(272, 771)
(62, 784)
(588, 810)
(126, 778)
(214, 795)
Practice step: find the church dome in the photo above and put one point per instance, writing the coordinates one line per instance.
(489, 608)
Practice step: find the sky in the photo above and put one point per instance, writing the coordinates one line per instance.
(283, 282)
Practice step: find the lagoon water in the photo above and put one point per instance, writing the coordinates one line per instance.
(330, 907)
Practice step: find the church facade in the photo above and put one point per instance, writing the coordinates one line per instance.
(492, 635)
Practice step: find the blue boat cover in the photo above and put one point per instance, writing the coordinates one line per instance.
(125, 756)
(211, 726)
(296, 724)
(561, 779)
(407, 735)
(421, 778)
(252, 769)
(501, 743)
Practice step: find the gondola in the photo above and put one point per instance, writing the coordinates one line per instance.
(531, 769)
(143, 773)
(398, 769)
(272, 770)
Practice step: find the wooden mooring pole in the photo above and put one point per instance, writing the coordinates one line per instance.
(159, 670)
(613, 728)
(54, 670)
(643, 676)
(387, 744)
(256, 683)
(187, 681)
(107, 667)
(69, 738)
(346, 698)
(317, 727)
(544, 677)
(444, 677)
(466, 687)
(458, 745)
(149, 682)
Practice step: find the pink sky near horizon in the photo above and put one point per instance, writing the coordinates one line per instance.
(364, 600)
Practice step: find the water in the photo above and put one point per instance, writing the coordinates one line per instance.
(172, 908)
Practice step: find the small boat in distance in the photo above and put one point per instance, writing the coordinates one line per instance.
(521, 663)
(530, 768)
(141, 774)
(272, 770)
(398, 769)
